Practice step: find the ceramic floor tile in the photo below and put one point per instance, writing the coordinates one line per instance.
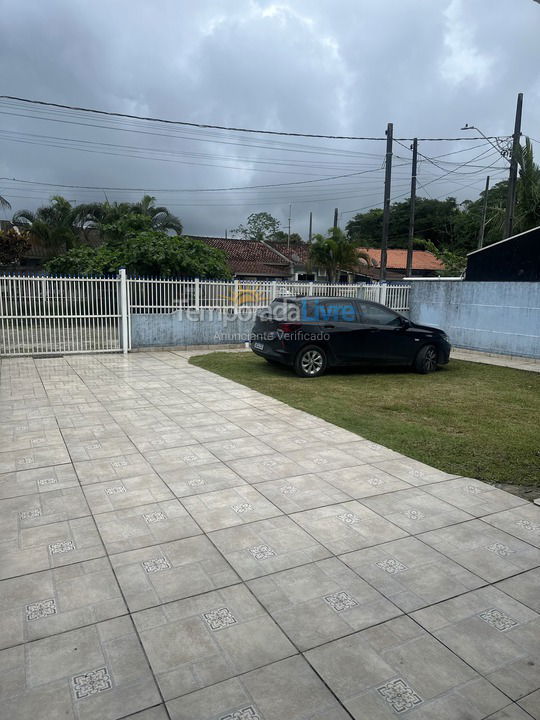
(319, 602)
(413, 472)
(415, 511)
(301, 493)
(47, 546)
(397, 668)
(195, 643)
(493, 633)
(524, 587)
(267, 546)
(201, 479)
(37, 457)
(346, 527)
(225, 508)
(522, 521)
(475, 497)
(484, 550)
(363, 481)
(235, 448)
(31, 511)
(178, 460)
(114, 468)
(129, 492)
(171, 571)
(40, 480)
(253, 696)
(98, 671)
(53, 601)
(144, 525)
(273, 466)
(322, 458)
(410, 573)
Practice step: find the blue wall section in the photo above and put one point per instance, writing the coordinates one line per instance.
(182, 329)
(495, 317)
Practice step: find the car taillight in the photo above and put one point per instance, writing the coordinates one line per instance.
(289, 327)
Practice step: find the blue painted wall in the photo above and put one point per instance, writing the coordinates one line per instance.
(183, 329)
(496, 317)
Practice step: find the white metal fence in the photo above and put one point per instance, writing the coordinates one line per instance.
(49, 315)
(45, 314)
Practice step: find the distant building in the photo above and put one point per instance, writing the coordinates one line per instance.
(425, 264)
(516, 259)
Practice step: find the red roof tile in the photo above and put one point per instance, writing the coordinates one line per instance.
(249, 258)
(397, 259)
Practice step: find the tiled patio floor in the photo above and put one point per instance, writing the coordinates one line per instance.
(175, 545)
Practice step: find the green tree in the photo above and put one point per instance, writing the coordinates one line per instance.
(259, 226)
(161, 218)
(527, 213)
(4, 203)
(14, 243)
(52, 224)
(150, 253)
(336, 252)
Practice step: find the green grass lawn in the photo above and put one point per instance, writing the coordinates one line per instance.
(468, 419)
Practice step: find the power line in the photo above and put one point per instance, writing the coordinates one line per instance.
(216, 127)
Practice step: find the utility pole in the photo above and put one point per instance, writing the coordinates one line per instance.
(387, 189)
(335, 218)
(512, 179)
(289, 234)
(310, 234)
(413, 207)
(484, 216)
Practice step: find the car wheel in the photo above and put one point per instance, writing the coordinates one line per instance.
(426, 360)
(310, 362)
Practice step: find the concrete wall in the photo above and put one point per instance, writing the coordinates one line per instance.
(495, 317)
(184, 329)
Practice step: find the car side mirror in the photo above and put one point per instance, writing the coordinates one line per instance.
(405, 323)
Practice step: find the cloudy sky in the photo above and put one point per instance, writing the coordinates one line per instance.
(330, 67)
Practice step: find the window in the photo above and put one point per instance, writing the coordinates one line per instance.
(375, 315)
(338, 310)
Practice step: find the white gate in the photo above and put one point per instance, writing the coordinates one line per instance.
(50, 315)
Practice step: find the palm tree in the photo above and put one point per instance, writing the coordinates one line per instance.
(336, 252)
(52, 224)
(528, 190)
(162, 218)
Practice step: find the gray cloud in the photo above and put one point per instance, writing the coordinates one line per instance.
(343, 67)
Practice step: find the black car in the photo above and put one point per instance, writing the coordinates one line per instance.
(311, 334)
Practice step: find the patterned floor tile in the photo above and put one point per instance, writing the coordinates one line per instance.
(193, 566)
(410, 573)
(41, 480)
(253, 696)
(53, 601)
(362, 481)
(145, 525)
(226, 508)
(475, 497)
(303, 492)
(322, 601)
(346, 527)
(492, 632)
(99, 671)
(129, 492)
(48, 546)
(484, 550)
(267, 546)
(197, 642)
(397, 668)
(522, 521)
(415, 510)
(413, 472)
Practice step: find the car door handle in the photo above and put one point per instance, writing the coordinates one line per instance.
(329, 327)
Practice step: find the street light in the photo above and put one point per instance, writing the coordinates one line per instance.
(503, 153)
